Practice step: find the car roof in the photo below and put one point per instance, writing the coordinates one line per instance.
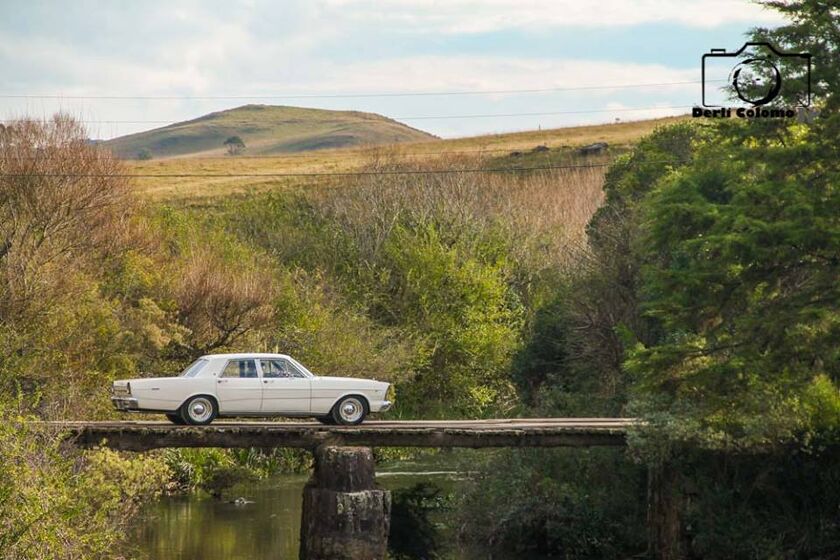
(242, 356)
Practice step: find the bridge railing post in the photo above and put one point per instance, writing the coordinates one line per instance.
(345, 515)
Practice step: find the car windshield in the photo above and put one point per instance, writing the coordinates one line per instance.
(300, 368)
(193, 369)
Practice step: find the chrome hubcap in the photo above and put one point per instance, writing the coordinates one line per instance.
(200, 410)
(351, 410)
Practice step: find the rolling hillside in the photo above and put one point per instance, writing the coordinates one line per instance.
(267, 130)
(215, 175)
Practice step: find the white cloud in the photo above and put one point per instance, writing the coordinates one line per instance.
(194, 75)
(470, 73)
(258, 47)
(472, 16)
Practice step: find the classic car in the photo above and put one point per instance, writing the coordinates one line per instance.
(229, 385)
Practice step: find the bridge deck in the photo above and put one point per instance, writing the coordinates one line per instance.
(520, 432)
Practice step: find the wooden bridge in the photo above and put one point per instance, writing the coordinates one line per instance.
(346, 515)
(520, 432)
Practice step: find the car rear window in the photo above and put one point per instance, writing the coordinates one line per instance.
(193, 369)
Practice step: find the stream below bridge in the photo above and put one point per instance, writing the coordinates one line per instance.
(198, 527)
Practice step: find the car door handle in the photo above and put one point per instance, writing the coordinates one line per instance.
(222, 381)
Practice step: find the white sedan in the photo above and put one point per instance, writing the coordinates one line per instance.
(225, 385)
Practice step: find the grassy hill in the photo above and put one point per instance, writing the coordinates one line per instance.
(267, 130)
(216, 175)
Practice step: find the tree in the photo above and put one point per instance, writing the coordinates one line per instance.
(234, 145)
(144, 155)
(813, 28)
(741, 268)
(220, 303)
(739, 254)
(61, 199)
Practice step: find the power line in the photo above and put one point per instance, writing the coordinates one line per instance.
(427, 117)
(342, 95)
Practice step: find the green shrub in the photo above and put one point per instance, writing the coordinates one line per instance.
(56, 502)
(571, 503)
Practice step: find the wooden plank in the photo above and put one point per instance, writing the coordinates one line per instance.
(559, 432)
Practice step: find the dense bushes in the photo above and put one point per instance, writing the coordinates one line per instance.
(707, 303)
(60, 503)
(432, 295)
(571, 503)
(702, 295)
(740, 275)
(446, 268)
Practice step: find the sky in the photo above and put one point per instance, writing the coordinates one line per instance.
(186, 58)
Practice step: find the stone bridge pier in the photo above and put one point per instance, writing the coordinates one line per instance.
(345, 515)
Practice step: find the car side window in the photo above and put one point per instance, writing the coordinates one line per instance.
(274, 368)
(277, 367)
(240, 368)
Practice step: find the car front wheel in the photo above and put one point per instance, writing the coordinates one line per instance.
(199, 411)
(350, 410)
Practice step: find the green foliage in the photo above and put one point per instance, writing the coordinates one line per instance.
(432, 299)
(60, 503)
(216, 470)
(709, 300)
(543, 357)
(741, 275)
(810, 26)
(570, 503)
(762, 506)
(706, 296)
(413, 532)
(460, 306)
(234, 145)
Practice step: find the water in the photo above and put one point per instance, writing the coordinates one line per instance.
(196, 527)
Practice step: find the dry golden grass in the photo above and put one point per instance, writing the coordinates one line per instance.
(613, 133)
(544, 213)
(194, 179)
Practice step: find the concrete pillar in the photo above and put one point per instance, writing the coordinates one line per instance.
(345, 515)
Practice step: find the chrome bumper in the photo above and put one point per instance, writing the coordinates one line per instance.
(386, 405)
(124, 403)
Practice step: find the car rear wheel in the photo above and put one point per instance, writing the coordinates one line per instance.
(328, 420)
(350, 410)
(199, 411)
(175, 419)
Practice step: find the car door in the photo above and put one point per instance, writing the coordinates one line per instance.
(238, 387)
(286, 389)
